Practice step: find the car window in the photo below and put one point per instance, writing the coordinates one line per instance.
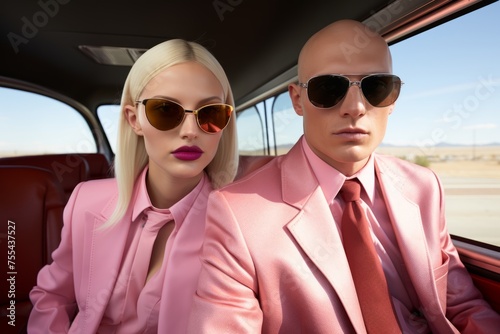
(448, 117)
(287, 124)
(33, 124)
(109, 115)
(251, 126)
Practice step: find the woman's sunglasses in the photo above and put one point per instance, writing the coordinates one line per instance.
(166, 115)
(325, 91)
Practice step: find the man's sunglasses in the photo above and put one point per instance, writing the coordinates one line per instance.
(325, 91)
(166, 115)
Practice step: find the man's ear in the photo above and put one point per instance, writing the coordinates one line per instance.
(133, 119)
(294, 91)
(391, 108)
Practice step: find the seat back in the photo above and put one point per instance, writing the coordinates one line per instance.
(69, 169)
(250, 163)
(99, 166)
(31, 219)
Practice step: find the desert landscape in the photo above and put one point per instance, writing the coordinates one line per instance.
(453, 161)
(463, 170)
(471, 179)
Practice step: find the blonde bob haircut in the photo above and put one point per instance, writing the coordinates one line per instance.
(131, 156)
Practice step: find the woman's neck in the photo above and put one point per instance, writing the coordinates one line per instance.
(165, 190)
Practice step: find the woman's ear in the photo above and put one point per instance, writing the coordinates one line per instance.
(133, 119)
(294, 91)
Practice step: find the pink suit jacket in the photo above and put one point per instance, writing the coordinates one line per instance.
(273, 260)
(78, 284)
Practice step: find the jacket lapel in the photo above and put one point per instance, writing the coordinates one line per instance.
(407, 225)
(316, 232)
(103, 263)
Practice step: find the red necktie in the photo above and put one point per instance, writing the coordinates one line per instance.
(366, 269)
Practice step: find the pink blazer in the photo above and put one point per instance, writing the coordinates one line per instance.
(76, 287)
(273, 261)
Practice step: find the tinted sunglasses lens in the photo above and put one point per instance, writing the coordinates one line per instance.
(213, 118)
(164, 115)
(381, 90)
(327, 90)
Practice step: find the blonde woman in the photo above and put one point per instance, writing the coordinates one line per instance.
(128, 259)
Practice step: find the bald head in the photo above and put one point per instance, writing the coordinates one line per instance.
(344, 47)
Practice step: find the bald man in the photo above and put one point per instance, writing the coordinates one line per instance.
(275, 259)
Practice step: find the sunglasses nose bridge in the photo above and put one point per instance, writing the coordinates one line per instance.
(188, 124)
(194, 113)
(354, 83)
(191, 112)
(354, 104)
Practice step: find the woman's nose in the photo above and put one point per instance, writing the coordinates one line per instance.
(189, 126)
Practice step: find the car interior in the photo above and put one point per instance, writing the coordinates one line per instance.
(80, 52)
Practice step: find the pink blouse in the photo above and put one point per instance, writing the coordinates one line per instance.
(134, 306)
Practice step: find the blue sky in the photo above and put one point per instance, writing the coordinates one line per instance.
(452, 83)
(32, 123)
(451, 94)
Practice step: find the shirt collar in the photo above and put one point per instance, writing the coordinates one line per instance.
(331, 180)
(179, 210)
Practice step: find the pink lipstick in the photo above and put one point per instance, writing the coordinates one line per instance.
(188, 153)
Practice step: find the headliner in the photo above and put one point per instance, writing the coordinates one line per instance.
(254, 40)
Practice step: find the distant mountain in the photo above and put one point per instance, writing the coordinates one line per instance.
(444, 144)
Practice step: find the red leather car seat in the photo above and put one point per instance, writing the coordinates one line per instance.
(31, 219)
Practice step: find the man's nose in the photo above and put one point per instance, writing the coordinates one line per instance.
(354, 103)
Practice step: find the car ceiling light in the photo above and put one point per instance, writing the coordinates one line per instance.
(112, 55)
